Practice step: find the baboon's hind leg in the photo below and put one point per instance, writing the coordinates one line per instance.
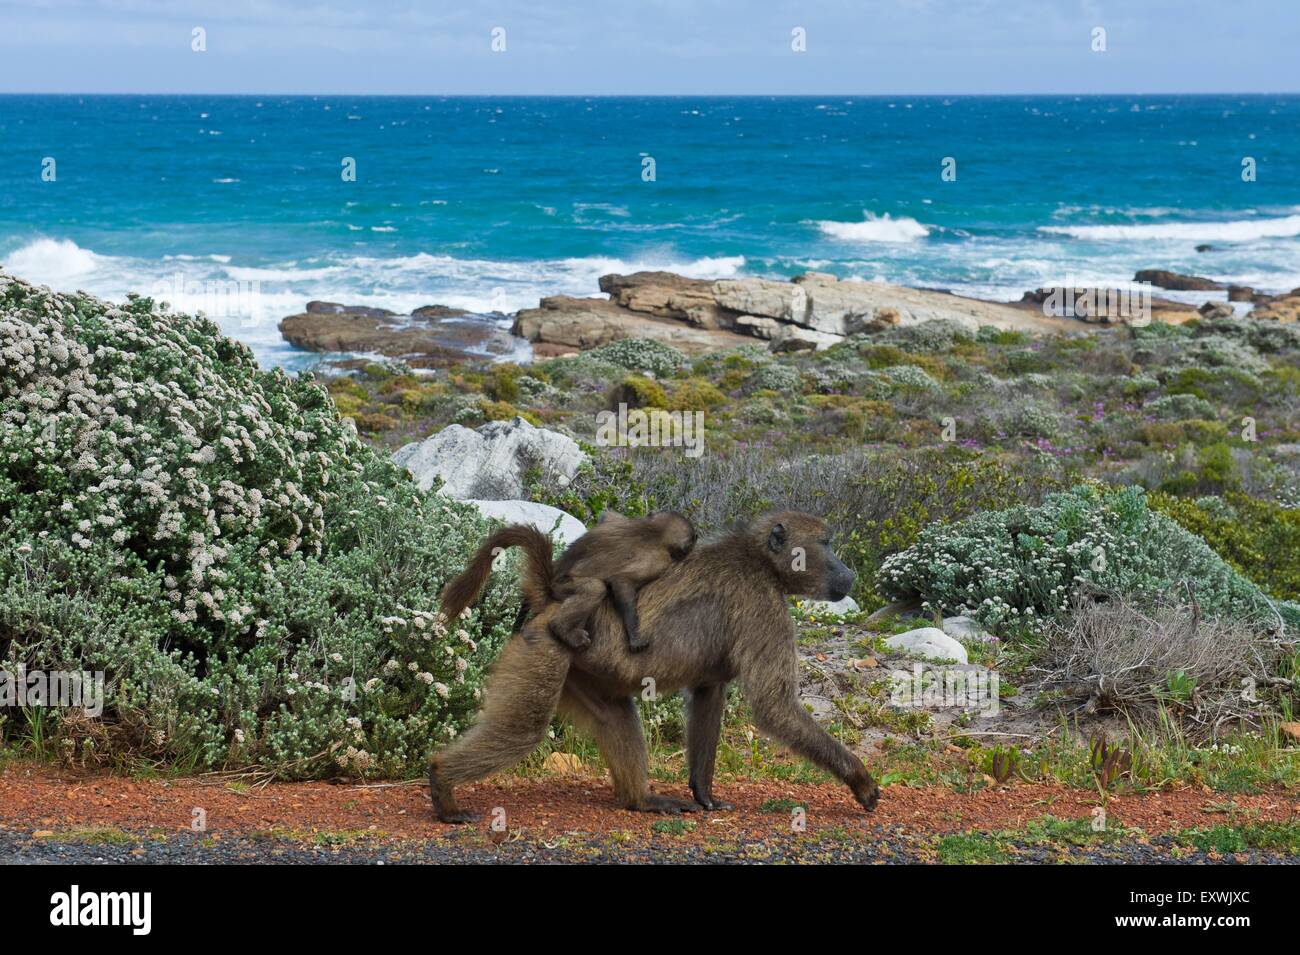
(616, 727)
(577, 608)
(520, 698)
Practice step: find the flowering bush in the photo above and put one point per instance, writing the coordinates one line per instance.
(1181, 407)
(1016, 569)
(641, 354)
(257, 585)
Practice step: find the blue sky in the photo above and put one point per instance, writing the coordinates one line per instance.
(651, 46)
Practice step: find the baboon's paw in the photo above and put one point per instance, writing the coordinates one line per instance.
(458, 817)
(714, 805)
(665, 804)
(867, 796)
(637, 645)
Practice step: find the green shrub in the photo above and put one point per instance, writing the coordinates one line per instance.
(695, 394)
(929, 337)
(911, 378)
(257, 585)
(1018, 568)
(1180, 407)
(1259, 538)
(641, 354)
(637, 391)
(782, 379)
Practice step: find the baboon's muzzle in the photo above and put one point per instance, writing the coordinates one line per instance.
(839, 579)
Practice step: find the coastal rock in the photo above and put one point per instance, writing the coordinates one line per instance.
(1279, 308)
(549, 520)
(669, 295)
(1213, 310)
(815, 278)
(783, 301)
(760, 326)
(930, 643)
(334, 308)
(813, 311)
(1176, 281)
(1240, 293)
(792, 338)
(430, 337)
(1103, 305)
(489, 463)
(851, 308)
(584, 323)
(658, 293)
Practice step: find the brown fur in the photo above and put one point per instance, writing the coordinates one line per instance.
(716, 616)
(537, 581)
(618, 555)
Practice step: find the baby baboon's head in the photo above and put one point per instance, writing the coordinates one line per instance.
(799, 548)
(675, 531)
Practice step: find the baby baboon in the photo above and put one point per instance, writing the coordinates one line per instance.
(717, 615)
(619, 555)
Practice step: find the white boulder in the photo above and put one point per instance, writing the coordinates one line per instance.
(966, 629)
(930, 643)
(760, 326)
(489, 463)
(547, 519)
(797, 338)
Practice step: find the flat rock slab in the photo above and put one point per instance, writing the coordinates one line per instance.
(584, 323)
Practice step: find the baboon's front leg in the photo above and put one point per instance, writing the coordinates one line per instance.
(704, 706)
(624, 594)
(773, 697)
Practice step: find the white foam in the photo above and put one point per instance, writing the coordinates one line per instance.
(52, 261)
(248, 301)
(1236, 230)
(875, 228)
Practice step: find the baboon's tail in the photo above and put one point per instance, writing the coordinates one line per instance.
(536, 581)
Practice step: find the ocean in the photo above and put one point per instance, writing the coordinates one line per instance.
(491, 203)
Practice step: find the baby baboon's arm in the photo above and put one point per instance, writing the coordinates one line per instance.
(624, 593)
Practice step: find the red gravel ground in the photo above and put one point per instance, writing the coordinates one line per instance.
(35, 798)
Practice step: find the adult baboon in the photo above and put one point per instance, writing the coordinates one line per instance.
(716, 616)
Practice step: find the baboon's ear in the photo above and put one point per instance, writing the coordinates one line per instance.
(609, 516)
(776, 539)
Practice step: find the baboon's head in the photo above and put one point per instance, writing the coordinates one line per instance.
(675, 531)
(799, 548)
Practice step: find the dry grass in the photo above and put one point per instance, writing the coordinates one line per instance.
(1208, 672)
